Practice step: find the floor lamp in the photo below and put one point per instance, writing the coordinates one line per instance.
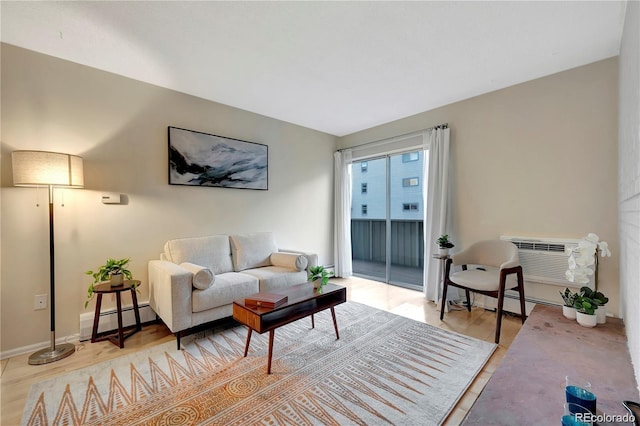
(52, 169)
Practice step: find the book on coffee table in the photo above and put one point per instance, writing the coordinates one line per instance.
(266, 300)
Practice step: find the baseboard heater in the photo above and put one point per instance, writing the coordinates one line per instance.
(545, 260)
(512, 302)
(109, 319)
(512, 294)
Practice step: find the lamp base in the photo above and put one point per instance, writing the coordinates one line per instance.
(45, 356)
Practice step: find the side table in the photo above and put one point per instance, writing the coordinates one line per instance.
(443, 259)
(118, 337)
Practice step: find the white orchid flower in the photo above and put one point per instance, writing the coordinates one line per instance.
(587, 245)
(588, 271)
(585, 261)
(582, 280)
(592, 237)
(583, 257)
(604, 249)
(569, 275)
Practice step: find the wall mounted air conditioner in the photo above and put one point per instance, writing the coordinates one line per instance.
(545, 260)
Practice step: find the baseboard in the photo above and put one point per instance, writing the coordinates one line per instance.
(108, 322)
(109, 319)
(37, 346)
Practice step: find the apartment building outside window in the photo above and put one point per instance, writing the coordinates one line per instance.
(410, 207)
(410, 156)
(363, 209)
(412, 181)
(363, 188)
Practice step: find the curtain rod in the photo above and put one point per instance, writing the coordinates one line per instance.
(403, 136)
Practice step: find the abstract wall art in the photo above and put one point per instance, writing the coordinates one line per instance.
(202, 159)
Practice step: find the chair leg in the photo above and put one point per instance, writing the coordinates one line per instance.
(468, 300)
(444, 299)
(499, 310)
(523, 312)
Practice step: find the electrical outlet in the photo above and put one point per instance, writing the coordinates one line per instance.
(39, 302)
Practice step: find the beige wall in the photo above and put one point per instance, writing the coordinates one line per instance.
(119, 126)
(536, 159)
(629, 187)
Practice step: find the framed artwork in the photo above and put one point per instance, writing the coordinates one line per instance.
(201, 159)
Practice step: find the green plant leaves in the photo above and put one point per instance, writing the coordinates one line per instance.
(443, 241)
(587, 301)
(319, 272)
(104, 272)
(568, 297)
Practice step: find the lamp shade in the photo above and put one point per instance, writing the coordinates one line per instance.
(33, 168)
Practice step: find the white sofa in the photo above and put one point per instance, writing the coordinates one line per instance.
(197, 279)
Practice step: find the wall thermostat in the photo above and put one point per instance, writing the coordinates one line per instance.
(111, 198)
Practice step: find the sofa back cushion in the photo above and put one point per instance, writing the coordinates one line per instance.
(252, 250)
(211, 252)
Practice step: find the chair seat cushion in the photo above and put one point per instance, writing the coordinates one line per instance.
(482, 280)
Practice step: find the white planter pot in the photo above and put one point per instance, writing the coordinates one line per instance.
(586, 320)
(601, 315)
(116, 280)
(443, 251)
(569, 312)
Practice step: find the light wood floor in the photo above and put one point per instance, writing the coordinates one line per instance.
(17, 376)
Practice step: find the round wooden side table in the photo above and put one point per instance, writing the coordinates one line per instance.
(122, 333)
(443, 261)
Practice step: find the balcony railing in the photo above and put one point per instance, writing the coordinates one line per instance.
(368, 246)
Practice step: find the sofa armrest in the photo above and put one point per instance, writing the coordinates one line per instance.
(312, 258)
(170, 288)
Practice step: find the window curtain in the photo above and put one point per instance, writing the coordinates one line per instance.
(342, 206)
(436, 174)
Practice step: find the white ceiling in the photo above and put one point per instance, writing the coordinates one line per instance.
(338, 67)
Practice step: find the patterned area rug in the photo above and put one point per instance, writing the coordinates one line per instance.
(384, 369)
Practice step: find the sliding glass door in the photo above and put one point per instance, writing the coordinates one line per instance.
(369, 218)
(387, 219)
(406, 248)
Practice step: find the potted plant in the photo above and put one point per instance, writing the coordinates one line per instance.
(586, 311)
(444, 244)
(319, 276)
(583, 259)
(569, 298)
(599, 300)
(113, 270)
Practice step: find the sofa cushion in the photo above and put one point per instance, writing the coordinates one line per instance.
(297, 262)
(252, 250)
(276, 277)
(229, 287)
(212, 252)
(203, 278)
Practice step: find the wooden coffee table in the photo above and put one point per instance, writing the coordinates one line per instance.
(303, 301)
